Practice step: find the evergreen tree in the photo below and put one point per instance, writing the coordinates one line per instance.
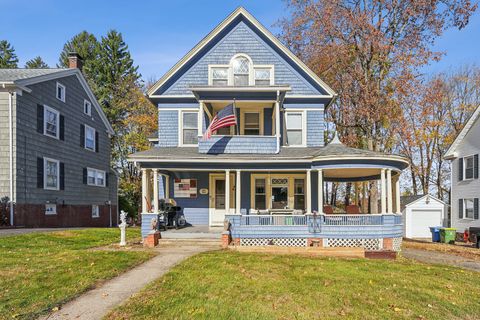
(8, 58)
(86, 45)
(36, 63)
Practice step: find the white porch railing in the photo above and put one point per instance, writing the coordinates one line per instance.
(322, 219)
(353, 220)
(273, 220)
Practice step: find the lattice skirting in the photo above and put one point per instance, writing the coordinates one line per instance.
(397, 244)
(284, 242)
(367, 244)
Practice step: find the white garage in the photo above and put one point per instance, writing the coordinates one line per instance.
(420, 213)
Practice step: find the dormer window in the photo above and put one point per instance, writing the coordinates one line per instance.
(241, 71)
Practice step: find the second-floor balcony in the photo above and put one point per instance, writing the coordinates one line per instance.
(238, 144)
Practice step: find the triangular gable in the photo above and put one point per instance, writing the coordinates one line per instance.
(450, 154)
(232, 21)
(425, 196)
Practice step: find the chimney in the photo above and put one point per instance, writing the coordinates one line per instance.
(75, 61)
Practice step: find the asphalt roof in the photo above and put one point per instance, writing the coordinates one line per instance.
(10, 75)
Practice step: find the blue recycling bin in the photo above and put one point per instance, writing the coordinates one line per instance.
(435, 233)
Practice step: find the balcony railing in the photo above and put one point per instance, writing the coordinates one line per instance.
(238, 144)
(273, 220)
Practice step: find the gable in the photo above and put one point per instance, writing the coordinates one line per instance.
(468, 135)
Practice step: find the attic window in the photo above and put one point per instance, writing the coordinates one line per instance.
(241, 71)
(220, 76)
(263, 76)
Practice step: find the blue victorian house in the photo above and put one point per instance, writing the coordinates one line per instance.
(266, 174)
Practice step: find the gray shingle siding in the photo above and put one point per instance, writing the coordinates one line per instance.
(241, 40)
(168, 128)
(315, 127)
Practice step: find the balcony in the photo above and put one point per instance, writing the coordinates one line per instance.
(238, 144)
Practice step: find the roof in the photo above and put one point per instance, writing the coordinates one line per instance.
(410, 200)
(11, 75)
(450, 154)
(239, 13)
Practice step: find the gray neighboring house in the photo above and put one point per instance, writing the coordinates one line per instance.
(463, 156)
(55, 149)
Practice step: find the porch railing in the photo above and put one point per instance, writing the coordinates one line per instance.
(273, 220)
(353, 220)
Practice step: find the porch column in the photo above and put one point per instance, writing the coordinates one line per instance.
(155, 191)
(144, 190)
(167, 186)
(227, 191)
(238, 192)
(389, 191)
(309, 191)
(397, 194)
(200, 119)
(277, 124)
(320, 191)
(383, 192)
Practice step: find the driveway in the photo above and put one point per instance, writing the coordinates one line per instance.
(436, 257)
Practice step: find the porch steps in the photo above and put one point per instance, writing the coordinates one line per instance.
(341, 252)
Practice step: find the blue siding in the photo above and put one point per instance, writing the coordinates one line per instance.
(315, 128)
(238, 144)
(167, 128)
(241, 39)
(267, 118)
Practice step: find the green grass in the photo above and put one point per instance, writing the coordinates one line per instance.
(39, 271)
(232, 285)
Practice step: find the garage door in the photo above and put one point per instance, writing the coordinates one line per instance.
(421, 220)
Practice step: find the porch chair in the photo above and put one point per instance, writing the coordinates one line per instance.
(327, 209)
(352, 209)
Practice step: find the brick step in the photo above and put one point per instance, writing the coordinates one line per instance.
(308, 251)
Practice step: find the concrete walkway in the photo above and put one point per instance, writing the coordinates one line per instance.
(96, 303)
(436, 257)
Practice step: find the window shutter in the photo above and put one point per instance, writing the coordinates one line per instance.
(84, 175)
(475, 208)
(460, 169)
(460, 208)
(475, 166)
(62, 127)
(82, 136)
(96, 142)
(106, 179)
(62, 176)
(40, 173)
(39, 118)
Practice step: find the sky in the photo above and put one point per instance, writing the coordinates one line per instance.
(159, 33)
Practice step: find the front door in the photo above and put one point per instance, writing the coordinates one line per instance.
(217, 198)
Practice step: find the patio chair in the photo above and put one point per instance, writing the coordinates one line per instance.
(352, 209)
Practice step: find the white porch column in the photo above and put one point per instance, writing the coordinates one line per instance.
(227, 191)
(155, 191)
(320, 191)
(309, 191)
(277, 124)
(238, 192)
(383, 192)
(397, 194)
(167, 186)
(200, 119)
(389, 191)
(144, 190)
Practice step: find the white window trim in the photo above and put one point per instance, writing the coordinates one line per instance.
(50, 109)
(85, 103)
(304, 127)
(45, 174)
(180, 127)
(214, 66)
(96, 171)
(64, 92)
(265, 66)
(95, 211)
(53, 205)
(464, 213)
(465, 168)
(85, 137)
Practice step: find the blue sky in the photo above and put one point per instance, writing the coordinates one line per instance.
(159, 33)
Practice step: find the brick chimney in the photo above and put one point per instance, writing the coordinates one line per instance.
(75, 61)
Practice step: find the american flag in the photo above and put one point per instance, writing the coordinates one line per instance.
(225, 118)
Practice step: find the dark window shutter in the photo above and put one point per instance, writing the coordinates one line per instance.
(475, 166)
(84, 175)
(40, 173)
(39, 118)
(475, 208)
(460, 208)
(62, 127)
(106, 179)
(82, 136)
(460, 169)
(96, 142)
(62, 176)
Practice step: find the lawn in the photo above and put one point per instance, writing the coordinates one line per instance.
(233, 285)
(39, 271)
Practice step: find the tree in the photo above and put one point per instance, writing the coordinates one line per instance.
(36, 63)
(8, 58)
(86, 45)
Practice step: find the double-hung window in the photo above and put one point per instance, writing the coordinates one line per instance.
(61, 92)
(262, 76)
(295, 135)
(189, 128)
(468, 165)
(89, 138)
(87, 107)
(51, 174)
(468, 208)
(252, 123)
(299, 194)
(260, 194)
(219, 76)
(51, 119)
(95, 177)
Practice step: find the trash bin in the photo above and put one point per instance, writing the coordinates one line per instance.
(475, 236)
(435, 234)
(448, 235)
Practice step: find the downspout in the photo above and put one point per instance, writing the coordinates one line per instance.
(10, 129)
(277, 121)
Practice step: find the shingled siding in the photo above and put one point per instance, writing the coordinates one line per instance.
(241, 40)
(315, 127)
(238, 144)
(167, 128)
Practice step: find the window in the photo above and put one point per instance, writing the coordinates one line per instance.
(51, 122)
(294, 129)
(189, 128)
(262, 76)
(252, 123)
(87, 107)
(95, 211)
(51, 174)
(241, 71)
(89, 138)
(468, 164)
(260, 194)
(299, 194)
(468, 209)
(60, 92)
(50, 208)
(220, 76)
(95, 177)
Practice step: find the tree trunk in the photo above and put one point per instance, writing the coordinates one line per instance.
(373, 197)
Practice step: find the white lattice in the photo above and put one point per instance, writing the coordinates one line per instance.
(397, 244)
(367, 244)
(283, 242)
